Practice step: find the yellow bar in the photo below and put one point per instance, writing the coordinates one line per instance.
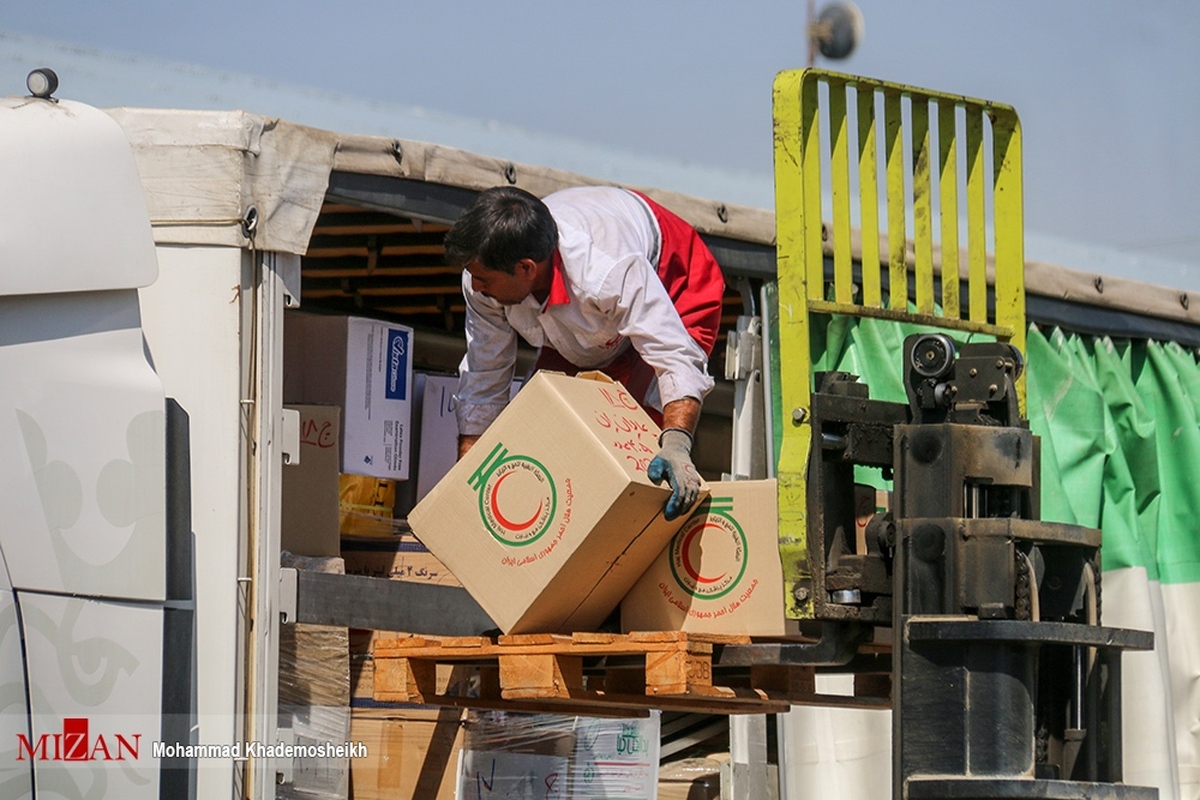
(976, 230)
(839, 171)
(922, 189)
(948, 177)
(898, 315)
(1010, 244)
(802, 286)
(796, 214)
(896, 201)
(868, 191)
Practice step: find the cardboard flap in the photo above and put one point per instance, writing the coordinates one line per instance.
(596, 375)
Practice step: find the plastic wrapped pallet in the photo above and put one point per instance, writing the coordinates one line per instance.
(559, 757)
(412, 752)
(690, 779)
(314, 696)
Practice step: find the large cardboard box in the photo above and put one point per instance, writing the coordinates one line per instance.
(721, 572)
(309, 524)
(411, 753)
(365, 367)
(550, 518)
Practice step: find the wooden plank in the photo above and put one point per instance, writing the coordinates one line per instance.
(790, 681)
(382, 291)
(583, 708)
(523, 640)
(666, 669)
(405, 680)
(386, 250)
(332, 272)
(677, 671)
(525, 676)
(366, 226)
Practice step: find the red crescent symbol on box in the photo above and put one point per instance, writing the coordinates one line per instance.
(512, 526)
(687, 563)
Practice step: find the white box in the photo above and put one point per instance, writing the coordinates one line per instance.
(364, 366)
(439, 430)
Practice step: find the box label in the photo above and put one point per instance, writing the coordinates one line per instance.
(397, 365)
(626, 426)
(519, 502)
(714, 522)
(714, 535)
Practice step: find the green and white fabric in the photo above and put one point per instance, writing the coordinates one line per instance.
(1119, 422)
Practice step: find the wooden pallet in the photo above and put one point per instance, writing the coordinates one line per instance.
(596, 673)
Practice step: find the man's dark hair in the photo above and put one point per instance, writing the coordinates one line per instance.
(502, 225)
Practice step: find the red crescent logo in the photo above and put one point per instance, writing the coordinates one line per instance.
(687, 563)
(512, 526)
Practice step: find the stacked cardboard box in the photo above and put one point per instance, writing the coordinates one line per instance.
(364, 367)
(721, 572)
(412, 753)
(309, 524)
(314, 696)
(550, 755)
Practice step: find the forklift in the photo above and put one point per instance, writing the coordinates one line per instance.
(1005, 684)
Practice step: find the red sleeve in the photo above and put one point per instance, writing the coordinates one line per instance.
(691, 276)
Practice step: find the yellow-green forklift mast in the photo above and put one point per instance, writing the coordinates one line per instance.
(911, 155)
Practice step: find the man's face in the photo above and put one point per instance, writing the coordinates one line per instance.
(500, 286)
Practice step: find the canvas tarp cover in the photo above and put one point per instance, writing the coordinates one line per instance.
(1119, 422)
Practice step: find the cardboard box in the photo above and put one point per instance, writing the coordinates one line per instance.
(550, 518)
(405, 559)
(412, 753)
(365, 506)
(439, 431)
(314, 696)
(690, 779)
(365, 367)
(309, 522)
(721, 573)
(583, 758)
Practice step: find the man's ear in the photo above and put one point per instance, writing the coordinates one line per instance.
(525, 268)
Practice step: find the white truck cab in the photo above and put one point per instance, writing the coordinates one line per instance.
(84, 588)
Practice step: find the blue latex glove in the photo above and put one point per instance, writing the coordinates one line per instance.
(674, 463)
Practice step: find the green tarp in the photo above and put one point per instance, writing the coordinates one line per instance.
(1119, 422)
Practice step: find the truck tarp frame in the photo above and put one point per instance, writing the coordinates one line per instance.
(234, 160)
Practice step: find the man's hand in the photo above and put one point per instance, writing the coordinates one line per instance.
(674, 463)
(465, 443)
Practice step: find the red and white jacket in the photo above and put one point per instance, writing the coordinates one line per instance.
(627, 273)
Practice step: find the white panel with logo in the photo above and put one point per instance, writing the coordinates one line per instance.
(94, 671)
(83, 483)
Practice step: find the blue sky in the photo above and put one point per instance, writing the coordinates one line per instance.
(1108, 91)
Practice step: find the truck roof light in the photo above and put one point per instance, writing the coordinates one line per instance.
(42, 82)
